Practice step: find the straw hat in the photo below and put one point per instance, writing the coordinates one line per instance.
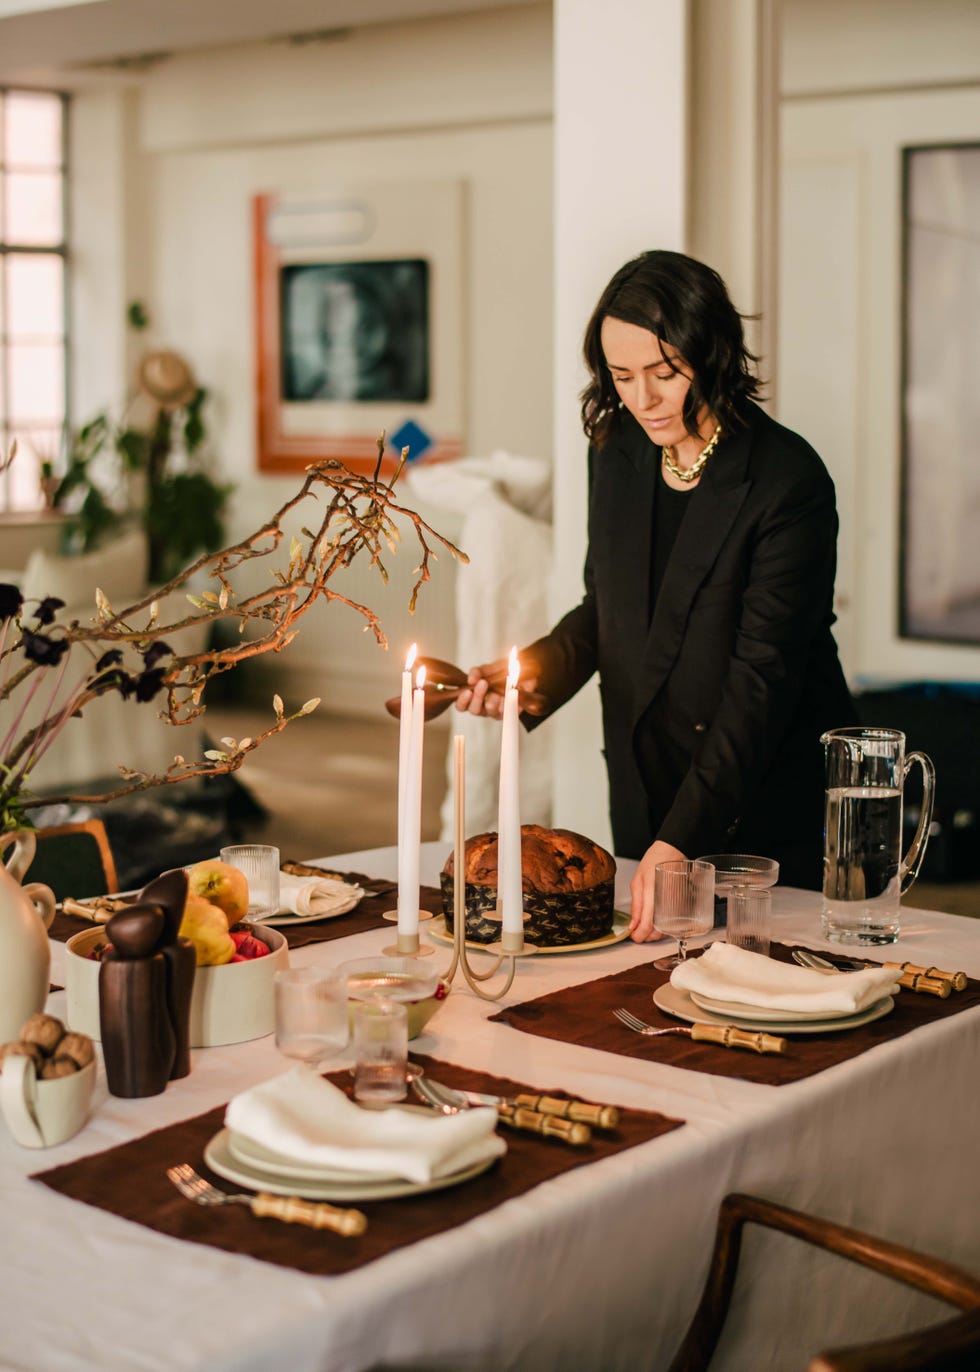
(167, 379)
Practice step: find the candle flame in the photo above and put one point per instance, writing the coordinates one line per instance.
(420, 679)
(514, 670)
(410, 660)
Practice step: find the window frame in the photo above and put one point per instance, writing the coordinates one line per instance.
(60, 250)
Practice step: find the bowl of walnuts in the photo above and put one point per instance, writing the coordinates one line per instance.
(47, 1076)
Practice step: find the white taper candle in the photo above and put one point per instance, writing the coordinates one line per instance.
(408, 858)
(510, 895)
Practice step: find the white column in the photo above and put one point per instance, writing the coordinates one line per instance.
(621, 186)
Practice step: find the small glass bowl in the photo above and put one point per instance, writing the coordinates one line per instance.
(733, 870)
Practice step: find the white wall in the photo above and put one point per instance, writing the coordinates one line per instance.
(465, 99)
(862, 80)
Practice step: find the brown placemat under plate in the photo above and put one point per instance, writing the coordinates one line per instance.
(584, 1015)
(382, 895)
(130, 1181)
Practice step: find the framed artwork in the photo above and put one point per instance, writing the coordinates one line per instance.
(358, 324)
(939, 591)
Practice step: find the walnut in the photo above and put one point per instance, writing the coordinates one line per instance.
(59, 1066)
(78, 1047)
(44, 1030)
(27, 1050)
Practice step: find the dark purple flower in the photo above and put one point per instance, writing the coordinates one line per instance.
(10, 601)
(108, 659)
(149, 683)
(113, 681)
(44, 614)
(43, 649)
(155, 652)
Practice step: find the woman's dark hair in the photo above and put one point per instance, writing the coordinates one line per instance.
(686, 305)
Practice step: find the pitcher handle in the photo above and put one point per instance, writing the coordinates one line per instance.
(44, 901)
(25, 846)
(913, 858)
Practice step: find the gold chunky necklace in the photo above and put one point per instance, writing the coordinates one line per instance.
(689, 473)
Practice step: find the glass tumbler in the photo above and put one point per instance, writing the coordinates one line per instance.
(749, 910)
(380, 1049)
(259, 862)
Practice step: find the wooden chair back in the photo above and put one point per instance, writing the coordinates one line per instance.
(74, 860)
(953, 1344)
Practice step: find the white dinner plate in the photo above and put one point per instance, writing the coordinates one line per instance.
(673, 1001)
(620, 930)
(221, 1160)
(259, 1159)
(287, 917)
(733, 1009)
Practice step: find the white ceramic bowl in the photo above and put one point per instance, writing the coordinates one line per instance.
(229, 1004)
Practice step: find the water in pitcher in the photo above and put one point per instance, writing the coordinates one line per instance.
(862, 859)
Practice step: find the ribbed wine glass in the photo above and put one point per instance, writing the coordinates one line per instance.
(683, 903)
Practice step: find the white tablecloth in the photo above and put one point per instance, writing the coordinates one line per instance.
(597, 1269)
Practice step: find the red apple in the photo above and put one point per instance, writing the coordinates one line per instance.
(220, 884)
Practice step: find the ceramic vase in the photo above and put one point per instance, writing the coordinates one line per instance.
(25, 959)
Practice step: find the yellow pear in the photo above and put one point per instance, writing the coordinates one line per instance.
(222, 885)
(207, 928)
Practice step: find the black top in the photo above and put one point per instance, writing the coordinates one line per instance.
(669, 508)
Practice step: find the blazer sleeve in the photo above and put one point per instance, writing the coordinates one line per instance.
(785, 617)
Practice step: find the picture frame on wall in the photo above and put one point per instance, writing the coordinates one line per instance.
(358, 314)
(939, 579)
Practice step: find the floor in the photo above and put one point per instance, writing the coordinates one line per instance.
(327, 784)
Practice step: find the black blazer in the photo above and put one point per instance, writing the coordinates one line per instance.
(713, 710)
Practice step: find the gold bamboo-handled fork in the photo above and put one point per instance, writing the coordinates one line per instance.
(726, 1035)
(292, 1209)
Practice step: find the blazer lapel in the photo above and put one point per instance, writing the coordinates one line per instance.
(707, 523)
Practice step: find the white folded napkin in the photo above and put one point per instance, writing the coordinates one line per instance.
(317, 897)
(307, 1119)
(724, 972)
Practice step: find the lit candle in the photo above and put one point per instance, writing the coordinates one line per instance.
(404, 734)
(411, 836)
(510, 894)
(459, 838)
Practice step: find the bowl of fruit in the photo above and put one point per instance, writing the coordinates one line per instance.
(232, 1000)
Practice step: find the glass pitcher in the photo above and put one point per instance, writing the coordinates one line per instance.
(864, 873)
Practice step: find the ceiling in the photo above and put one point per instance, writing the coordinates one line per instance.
(59, 42)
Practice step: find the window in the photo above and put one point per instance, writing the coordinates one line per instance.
(33, 289)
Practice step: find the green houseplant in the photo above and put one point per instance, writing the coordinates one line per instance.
(150, 466)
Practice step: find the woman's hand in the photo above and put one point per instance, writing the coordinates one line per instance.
(478, 698)
(642, 914)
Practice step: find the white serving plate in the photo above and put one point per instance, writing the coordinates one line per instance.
(229, 1004)
(673, 1001)
(220, 1159)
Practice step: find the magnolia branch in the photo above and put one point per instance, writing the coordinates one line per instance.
(353, 516)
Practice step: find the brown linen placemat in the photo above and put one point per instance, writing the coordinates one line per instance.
(583, 1015)
(381, 895)
(130, 1181)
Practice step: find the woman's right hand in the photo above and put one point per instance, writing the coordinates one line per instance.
(478, 698)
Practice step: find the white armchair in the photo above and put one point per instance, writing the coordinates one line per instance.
(501, 600)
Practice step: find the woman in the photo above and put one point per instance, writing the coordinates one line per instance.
(709, 589)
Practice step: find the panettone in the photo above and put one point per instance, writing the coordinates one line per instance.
(568, 884)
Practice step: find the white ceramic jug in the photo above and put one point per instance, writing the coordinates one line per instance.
(25, 959)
